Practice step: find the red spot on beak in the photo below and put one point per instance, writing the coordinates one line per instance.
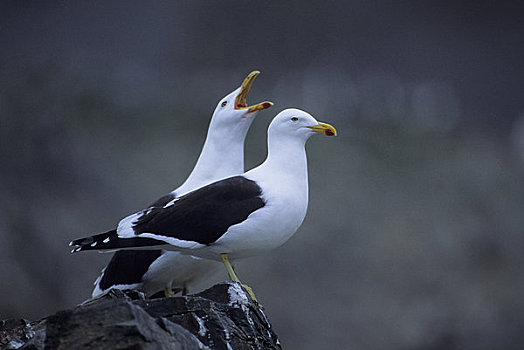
(329, 133)
(266, 104)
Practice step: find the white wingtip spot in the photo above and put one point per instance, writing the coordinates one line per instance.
(71, 243)
(93, 244)
(106, 240)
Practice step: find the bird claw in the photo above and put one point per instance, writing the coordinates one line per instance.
(168, 292)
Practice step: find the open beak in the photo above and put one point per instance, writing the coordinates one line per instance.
(324, 128)
(240, 100)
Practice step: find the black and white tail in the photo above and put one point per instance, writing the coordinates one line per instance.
(111, 242)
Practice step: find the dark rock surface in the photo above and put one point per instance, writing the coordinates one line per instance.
(222, 317)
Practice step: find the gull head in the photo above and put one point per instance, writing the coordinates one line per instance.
(233, 108)
(296, 123)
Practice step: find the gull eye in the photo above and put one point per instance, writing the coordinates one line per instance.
(223, 104)
(294, 119)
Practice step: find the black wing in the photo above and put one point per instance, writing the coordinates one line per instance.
(110, 240)
(205, 214)
(163, 200)
(127, 267)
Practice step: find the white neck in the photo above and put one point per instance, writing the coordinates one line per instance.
(222, 156)
(285, 165)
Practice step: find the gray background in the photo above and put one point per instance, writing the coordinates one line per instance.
(414, 235)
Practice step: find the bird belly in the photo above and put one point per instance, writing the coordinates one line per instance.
(265, 229)
(179, 271)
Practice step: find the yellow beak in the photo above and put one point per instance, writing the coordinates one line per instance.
(324, 128)
(240, 100)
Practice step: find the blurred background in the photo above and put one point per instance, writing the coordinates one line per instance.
(414, 235)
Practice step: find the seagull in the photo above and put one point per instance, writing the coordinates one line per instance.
(236, 217)
(222, 155)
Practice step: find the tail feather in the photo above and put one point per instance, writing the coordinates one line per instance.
(110, 241)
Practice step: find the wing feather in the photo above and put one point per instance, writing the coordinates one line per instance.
(203, 215)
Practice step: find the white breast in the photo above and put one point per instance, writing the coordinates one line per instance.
(270, 226)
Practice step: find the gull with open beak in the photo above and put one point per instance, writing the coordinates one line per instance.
(222, 155)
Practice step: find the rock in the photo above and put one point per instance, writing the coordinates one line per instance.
(222, 317)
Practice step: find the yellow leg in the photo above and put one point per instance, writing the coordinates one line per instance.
(233, 277)
(185, 291)
(168, 292)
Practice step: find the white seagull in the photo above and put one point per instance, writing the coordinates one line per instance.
(236, 217)
(222, 155)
